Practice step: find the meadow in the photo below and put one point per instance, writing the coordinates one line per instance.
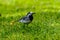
(45, 25)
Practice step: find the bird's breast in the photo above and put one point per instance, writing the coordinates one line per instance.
(31, 18)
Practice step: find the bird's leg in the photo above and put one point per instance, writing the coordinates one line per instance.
(23, 26)
(26, 27)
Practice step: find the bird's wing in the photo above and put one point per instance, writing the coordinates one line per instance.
(25, 18)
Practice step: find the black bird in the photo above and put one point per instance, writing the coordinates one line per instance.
(28, 18)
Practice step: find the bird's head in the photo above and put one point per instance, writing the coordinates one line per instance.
(30, 13)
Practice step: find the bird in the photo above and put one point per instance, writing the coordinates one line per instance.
(27, 19)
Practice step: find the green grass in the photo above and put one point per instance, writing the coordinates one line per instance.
(45, 25)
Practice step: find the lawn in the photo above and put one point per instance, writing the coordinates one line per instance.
(45, 25)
